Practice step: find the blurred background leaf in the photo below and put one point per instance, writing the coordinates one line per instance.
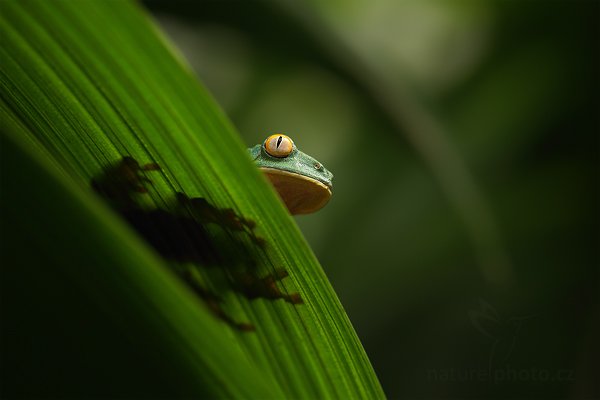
(463, 136)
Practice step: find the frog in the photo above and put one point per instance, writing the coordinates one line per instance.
(303, 183)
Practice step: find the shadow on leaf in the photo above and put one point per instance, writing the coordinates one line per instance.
(194, 234)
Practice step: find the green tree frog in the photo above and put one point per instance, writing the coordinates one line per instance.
(302, 182)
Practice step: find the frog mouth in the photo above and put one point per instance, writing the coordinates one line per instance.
(301, 194)
(295, 176)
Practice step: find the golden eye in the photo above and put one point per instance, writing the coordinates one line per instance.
(279, 145)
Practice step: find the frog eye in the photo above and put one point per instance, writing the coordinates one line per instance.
(279, 145)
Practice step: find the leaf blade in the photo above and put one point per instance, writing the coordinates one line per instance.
(110, 89)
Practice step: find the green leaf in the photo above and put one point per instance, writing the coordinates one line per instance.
(100, 291)
(84, 84)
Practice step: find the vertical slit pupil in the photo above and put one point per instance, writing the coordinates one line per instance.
(279, 140)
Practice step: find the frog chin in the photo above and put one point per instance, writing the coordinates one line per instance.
(301, 194)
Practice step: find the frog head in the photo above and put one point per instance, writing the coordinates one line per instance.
(302, 182)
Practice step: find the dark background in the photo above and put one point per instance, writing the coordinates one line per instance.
(462, 238)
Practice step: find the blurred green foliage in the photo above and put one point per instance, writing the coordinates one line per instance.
(462, 237)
